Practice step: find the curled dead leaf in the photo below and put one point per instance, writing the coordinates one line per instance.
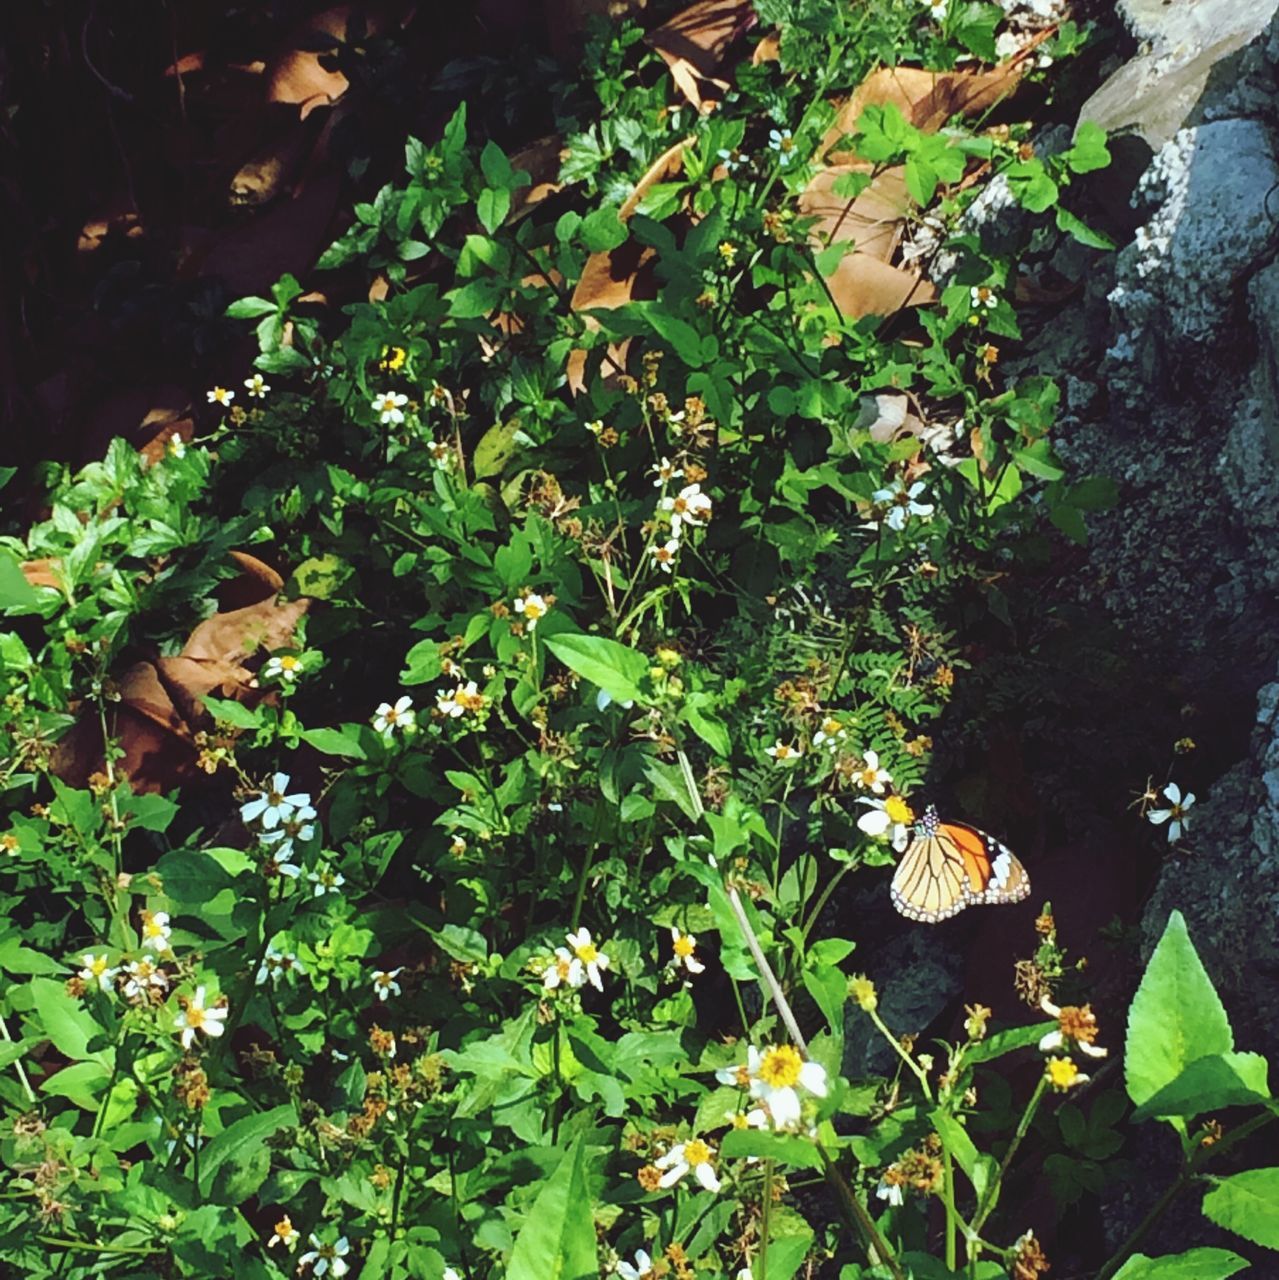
(694, 42)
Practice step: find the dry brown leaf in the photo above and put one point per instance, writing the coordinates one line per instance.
(694, 42)
(234, 636)
(670, 164)
(295, 75)
(541, 160)
(43, 573)
(863, 285)
(257, 581)
(927, 99)
(871, 220)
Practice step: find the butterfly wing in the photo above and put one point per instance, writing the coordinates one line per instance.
(950, 866)
(930, 883)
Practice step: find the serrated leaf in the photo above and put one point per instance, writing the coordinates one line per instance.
(1209, 1084)
(1247, 1204)
(613, 667)
(1194, 1264)
(1176, 1016)
(557, 1240)
(238, 1143)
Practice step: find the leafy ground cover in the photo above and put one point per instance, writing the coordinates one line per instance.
(466, 893)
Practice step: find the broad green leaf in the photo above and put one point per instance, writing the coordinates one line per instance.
(603, 230)
(1247, 1204)
(1209, 1084)
(1077, 227)
(493, 205)
(1194, 1264)
(1176, 1016)
(613, 667)
(239, 1142)
(336, 742)
(557, 1240)
(66, 1021)
(978, 1168)
(250, 309)
(1089, 151)
(16, 593)
(710, 728)
(191, 875)
(785, 1148)
(231, 712)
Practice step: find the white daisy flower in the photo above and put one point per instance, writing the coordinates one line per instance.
(327, 1259)
(892, 817)
(593, 960)
(775, 1074)
(197, 1016)
(891, 1192)
(831, 734)
(279, 844)
(738, 1077)
(902, 503)
(664, 556)
(256, 387)
(176, 447)
(98, 970)
(388, 719)
(783, 142)
(689, 506)
(641, 1269)
(390, 409)
(459, 700)
(685, 946)
(694, 1156)
(530, 606)
(937, 9)
(1076, 1029)
(783, 752)
(220, 395)
(664, 472)
(286, 668)
(384, 983)
(872, 777)
(273, 806)
(1176, 815)
(982, 295)
(565, 969)
(277, 964)
(155, 930)
(325, 880)
(142, 976)
(286, 1234)
(442, 454)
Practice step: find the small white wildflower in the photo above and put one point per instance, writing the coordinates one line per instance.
(459, 700)
(664, 471)
(872, 777)
(326, 1259)
(892, 817)
(593, 960)
(1177, 813)
(285, 668)
(277, 964)
(891, 1192)
(156, 930)
(783, 142)
(256, 387)
(274, 807)
(197, 1016)
(286, 1234)
(530, 606)
(689, 506)
(142, 976)
(325, 880)
(384, 983)
(831, 734)
(1076, 1029)
(220, 395)
(902, 503)
(694, 1156)
(565, 969)
(685, 946)
(776, 1074)
(664, 557)
(641, 1269)
(98, 970)
(783, 752)
(982, 295)
(390, 408)
(388, 719)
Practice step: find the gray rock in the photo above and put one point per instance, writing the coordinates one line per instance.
(1174, 24)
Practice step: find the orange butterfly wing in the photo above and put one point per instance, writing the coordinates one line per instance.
(950, 866)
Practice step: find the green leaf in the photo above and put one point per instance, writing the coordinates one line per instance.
(1209, 1084)
(496, 167)
(493, 205)
(788, 1149)
(66, 1021)
(1090, 151)
(668, 784)
(250, 309)
(603, 230)
(710, 728)
(473, 300)
(978, 1168)
(191, 875)
(16, 593)
(1194, 1264)
(613, 667)
(336, 742)
(1077, 227)
(557, 1240)
(238, 1142)
(1247, 1204)
(679, 333)
(1176, 1016)
(231, 712)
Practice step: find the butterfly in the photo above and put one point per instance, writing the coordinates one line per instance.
(949, 866)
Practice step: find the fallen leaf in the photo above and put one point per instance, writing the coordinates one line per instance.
(670, 164)
(927, 99)
(43, 573)
(866, 286)
(694, 42)
(769, 49)
(240, 633)
(257, 581)
(294, 75)
(541, 160)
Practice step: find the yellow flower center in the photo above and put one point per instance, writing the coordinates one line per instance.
(1062, 1073)
(863, 992)
(470, 701)
(683, 946)
(533, 610)
(98, 966)
(562, 967)
(663, 555)
(739, 1120)
(899, 811)
(587, 952)
(781, 1066)
(288, 663)
(195, 1016)
(285, 1229)
(153, 929)
(783, 751)
(831, 727)
(384, 979)
(696, 1152)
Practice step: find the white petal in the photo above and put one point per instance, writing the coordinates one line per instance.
(812, 1075)
(1173, 792)
(784, 1105)
(1053, 1040)
(672, 1176)
(874, 822)
(706, 1176)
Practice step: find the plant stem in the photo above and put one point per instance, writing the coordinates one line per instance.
(766, 1213)
(987, 1205)
(948, 1167)
(17, 1062)
(876, 1246)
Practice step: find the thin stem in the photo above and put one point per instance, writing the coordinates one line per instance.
(876, 1246)
(823, 899)
(915, 1069)
(766, 1213)
(948, 1170)
(987, 1205)
(17, 1062)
